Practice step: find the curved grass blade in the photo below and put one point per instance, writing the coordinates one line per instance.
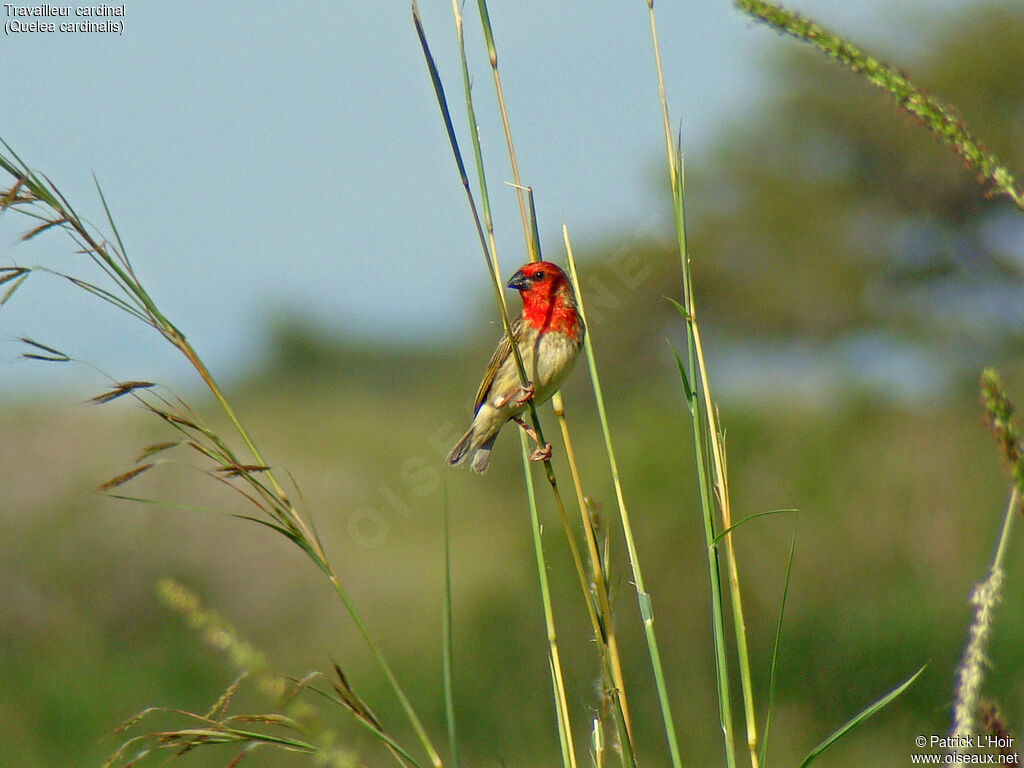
(859, 718)
(775, 648)
(748, 518)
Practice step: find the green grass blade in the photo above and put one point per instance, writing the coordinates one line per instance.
(122, 253)
(554, 659)
(749, 518)
(859, 718)
(446, 643)
(775, 649)
(691, 396)
(474, 135)
(534, 233)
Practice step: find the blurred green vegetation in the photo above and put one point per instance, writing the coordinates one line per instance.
(827, 214)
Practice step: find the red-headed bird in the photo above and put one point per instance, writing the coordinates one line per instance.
(549, 334)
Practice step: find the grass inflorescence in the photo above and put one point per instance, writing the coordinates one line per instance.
(941, 119)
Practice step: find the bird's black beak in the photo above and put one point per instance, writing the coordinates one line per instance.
(519, 281)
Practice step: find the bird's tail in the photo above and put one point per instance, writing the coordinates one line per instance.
(458, 454)
(468, 444)
(482, 457)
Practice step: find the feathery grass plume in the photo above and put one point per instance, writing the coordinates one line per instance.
(33, 195)
(938, 117)
(971, 673)
(999, 413)
(297, 727)
(218, 633)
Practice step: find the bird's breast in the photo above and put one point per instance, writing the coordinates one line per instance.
(548, 362)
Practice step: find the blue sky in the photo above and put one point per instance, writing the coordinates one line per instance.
(262, 161)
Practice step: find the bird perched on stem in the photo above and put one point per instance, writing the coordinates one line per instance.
(549, 334)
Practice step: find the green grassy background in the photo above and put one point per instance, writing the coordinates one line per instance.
(899, 508)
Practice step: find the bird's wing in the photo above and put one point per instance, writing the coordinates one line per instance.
(497, 360)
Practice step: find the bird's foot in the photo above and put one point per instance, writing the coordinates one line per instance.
(541, 453)
(522, 396)
(526, 394)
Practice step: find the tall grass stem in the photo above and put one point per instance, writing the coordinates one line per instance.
(643, 597)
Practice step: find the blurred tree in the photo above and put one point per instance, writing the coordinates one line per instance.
(831, 210)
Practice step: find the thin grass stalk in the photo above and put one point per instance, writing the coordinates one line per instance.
(492, 52)
(669, 148)
(485, 198)
(699, 414)
(554, 658)
(643, 597)
(714, 566)
(603, 626)
(490, 258)
(702, 418)
(597, 743)
(713, 431)
(725, 509)
(605, 632)
(999, 413)
(773, 668)
(421, 733)
(492, 246)
(448, 654)
(520, 193)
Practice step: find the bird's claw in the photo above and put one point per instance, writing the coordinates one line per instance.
(522, 396)
(541, 453)
(525, 394)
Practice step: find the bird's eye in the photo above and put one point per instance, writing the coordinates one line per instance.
(539, 275)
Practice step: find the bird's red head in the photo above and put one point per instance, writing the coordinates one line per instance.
(548, 298)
